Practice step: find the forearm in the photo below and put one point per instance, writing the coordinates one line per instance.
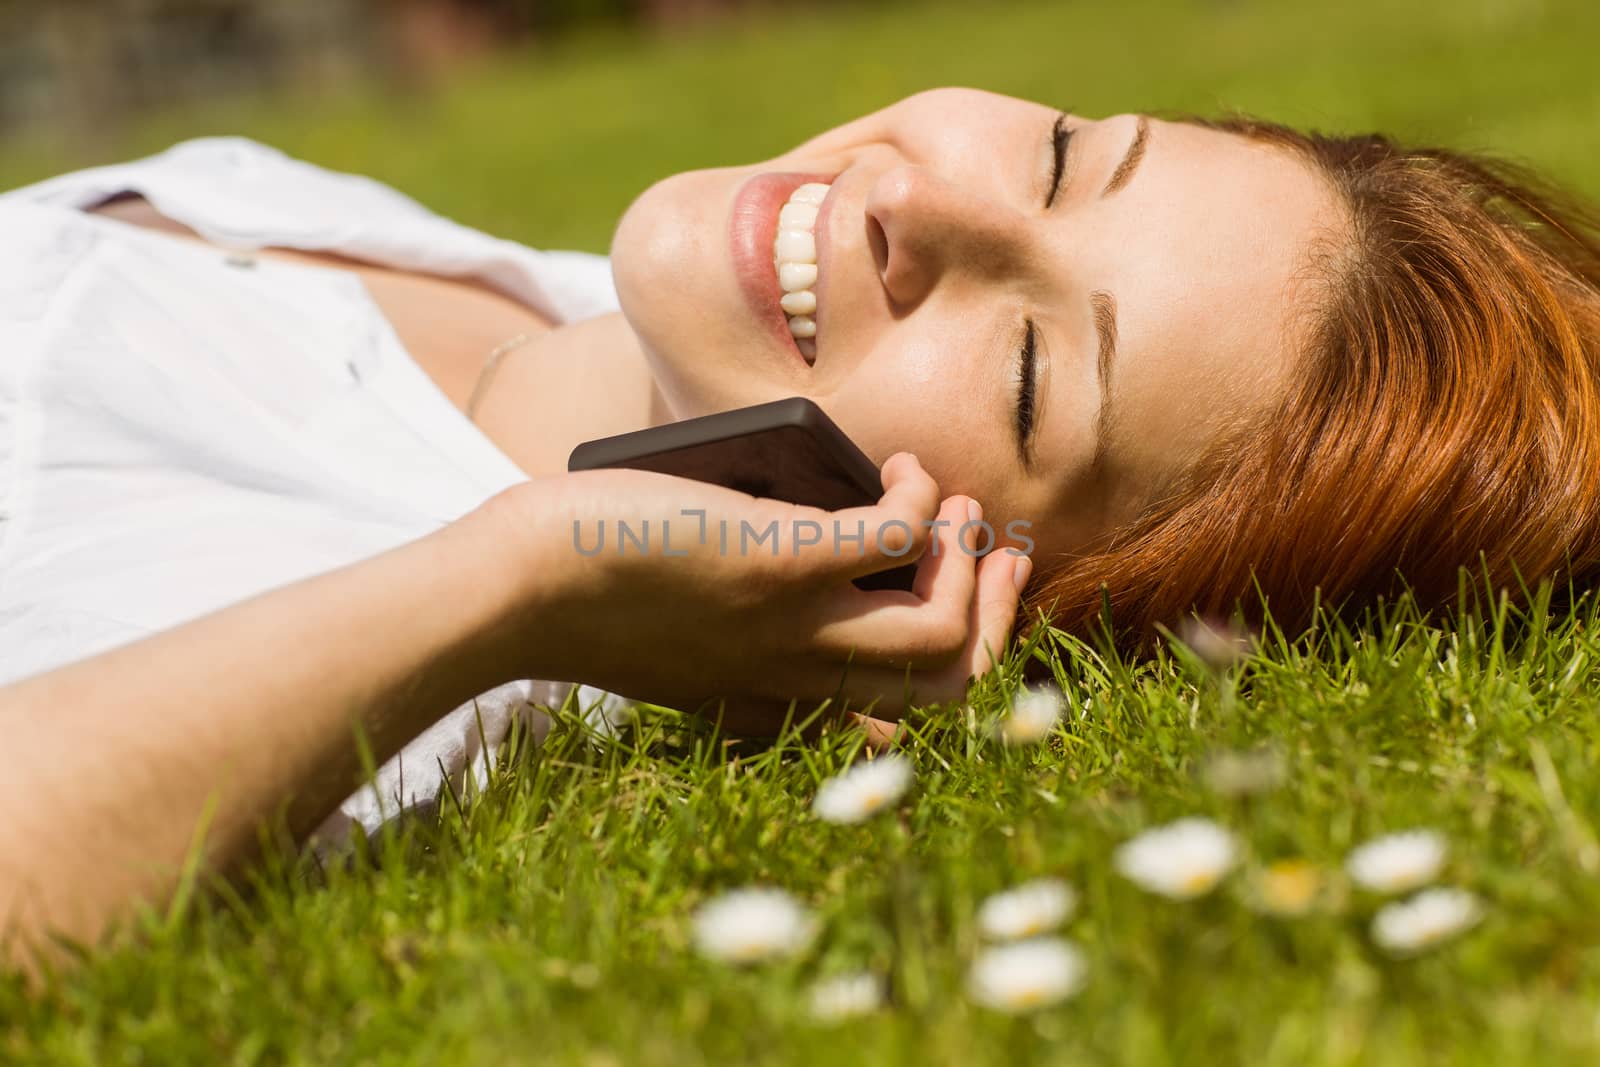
(250, 711)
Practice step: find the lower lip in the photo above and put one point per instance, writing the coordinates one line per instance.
(752, 226)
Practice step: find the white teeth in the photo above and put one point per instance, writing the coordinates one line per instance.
(793, 277)
(794, 254)
(797, 216)
(802, 303)
(809, 193)
(795, 246)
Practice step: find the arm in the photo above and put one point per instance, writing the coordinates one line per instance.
(253, 710)
(249, 709)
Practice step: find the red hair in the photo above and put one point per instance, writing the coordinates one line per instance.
(1445, 412)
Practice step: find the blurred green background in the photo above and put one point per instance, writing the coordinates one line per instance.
(546, 134)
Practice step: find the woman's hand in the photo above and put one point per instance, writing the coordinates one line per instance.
(687, 594)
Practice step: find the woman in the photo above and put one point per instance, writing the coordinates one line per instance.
(1189, 356)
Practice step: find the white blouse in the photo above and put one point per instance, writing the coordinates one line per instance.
(182, 427)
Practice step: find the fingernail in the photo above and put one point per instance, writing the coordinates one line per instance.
(1024, 568)
(974, 511)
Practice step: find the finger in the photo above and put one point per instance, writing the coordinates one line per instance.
(1001, 578)
(889, 691)
(992, 613)
(926, 628)
(943, 566)
(880, 734)
(892, 532)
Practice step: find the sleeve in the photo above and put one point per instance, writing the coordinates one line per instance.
(457, 752)
(242, 194)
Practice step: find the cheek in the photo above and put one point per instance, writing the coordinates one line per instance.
(922, 400)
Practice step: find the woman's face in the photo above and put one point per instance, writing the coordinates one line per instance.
(1055, 314)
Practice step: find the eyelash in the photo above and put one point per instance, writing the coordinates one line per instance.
(1030, 342)
(1060, 137)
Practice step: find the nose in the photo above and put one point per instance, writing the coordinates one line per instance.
(925, 231)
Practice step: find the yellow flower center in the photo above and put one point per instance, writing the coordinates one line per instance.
(1290, 885)
(1027, 998)
(750, 950)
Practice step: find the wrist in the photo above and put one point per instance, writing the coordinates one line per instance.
(530, 588)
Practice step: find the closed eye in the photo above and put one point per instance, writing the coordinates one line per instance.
(1060, 138)
(1026, 384)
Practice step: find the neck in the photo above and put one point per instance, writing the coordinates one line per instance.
(572, 384)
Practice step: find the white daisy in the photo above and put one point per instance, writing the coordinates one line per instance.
(1397, 862)
(752, 924)
(1026, 974)
(864, 790)
(1418, 924)
(846, 996)
(1034, 713)
(1027, 910)
(1181, 860)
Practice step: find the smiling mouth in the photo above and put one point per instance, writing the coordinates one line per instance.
(794, 257)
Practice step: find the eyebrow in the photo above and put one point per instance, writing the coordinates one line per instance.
(1130, 160)
(1104, 306)
(1103, 303)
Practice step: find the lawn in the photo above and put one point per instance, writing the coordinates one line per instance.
(551, 919)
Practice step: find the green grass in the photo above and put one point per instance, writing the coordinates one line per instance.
(548, 922)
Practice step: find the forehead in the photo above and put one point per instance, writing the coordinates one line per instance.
(1206, 251)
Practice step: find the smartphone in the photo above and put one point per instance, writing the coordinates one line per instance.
(786, 450)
